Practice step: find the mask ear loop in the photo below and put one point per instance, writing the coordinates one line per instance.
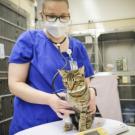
(41, 14)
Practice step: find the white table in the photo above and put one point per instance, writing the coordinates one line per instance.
(56, 128)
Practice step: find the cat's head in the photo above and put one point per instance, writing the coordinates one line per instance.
(74, 79)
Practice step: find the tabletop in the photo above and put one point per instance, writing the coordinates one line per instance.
(56, 128)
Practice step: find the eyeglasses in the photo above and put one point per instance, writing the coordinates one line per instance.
(53, 18)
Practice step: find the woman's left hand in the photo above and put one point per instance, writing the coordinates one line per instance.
(92, 102)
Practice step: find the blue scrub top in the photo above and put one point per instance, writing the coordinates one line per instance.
(45, 59)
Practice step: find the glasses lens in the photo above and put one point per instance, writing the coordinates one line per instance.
(53, 18)
(50, 18)
(64, 19)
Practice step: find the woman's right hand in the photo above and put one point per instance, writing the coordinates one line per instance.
(61, 107)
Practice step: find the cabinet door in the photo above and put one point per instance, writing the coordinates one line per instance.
(4, 87)
(6, 107)
(10, 31)
(132, 79)
(127, 92)
(128, 111)
(12, 16)
(3, 11)
(4, 64)
(126, 87)
(22, 21)
(8, 47)
(4, 127)
(2, 28)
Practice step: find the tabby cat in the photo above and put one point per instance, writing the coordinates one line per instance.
(78, 95)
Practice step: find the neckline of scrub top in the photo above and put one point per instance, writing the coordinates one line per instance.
(64, 52)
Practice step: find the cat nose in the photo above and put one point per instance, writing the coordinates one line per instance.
(71, 86)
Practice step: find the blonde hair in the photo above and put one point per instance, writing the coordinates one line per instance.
(66, 1)
(43, 6)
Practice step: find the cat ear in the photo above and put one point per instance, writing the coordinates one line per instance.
(81, 70)
(61, 72)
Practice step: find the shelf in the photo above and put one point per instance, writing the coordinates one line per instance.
(91, 53)
(87, 43)
(3, 72)
(2, 121)
(124, 73)
(130, 124)
(97, 113)
(128, 113)
(8, 39)
(120, 35)
(6, 95)
(122, 85)
(127, 99)
(17, 26)
(3, 78)
(94, 63)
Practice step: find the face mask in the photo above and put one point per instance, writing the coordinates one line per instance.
(57, 29)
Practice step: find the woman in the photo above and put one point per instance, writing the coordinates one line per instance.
(35, 59)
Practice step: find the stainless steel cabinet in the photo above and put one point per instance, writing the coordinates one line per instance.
(13, 21)
(126, 87)
(118, 49)
(90, 43)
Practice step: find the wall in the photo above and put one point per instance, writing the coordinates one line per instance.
(101, 10)
(105, 26)
(105, 15)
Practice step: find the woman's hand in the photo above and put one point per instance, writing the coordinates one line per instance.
(61, 107)
(92, 102)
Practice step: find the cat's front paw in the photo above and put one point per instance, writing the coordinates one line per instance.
(68, 126)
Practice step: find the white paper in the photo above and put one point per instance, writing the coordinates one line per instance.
(88, 39)
(2, 51)
(113, 127)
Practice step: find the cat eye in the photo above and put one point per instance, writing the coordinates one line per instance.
(80, 75)
(74, 79)
(65, 80)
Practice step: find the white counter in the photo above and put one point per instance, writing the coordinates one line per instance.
(56, 128)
